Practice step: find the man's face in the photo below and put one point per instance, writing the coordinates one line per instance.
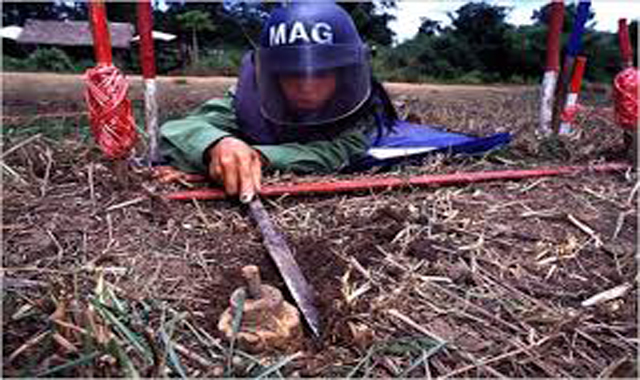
(309, 93)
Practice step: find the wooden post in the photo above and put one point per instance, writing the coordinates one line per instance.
(145, 28)
(552, 66)
(100, 32)
(625, 43)
(573, 48)
(566, 126)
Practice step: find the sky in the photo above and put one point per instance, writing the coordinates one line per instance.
(409, 12)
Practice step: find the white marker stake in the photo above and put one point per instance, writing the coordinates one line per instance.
(546, 107)
(147, 61)
(566, 127)
(552, 67)
(151, 117)
(572, 99)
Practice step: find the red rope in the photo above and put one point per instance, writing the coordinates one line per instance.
(110, 115)
(625, 98)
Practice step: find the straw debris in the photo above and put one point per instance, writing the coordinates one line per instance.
(533, 278)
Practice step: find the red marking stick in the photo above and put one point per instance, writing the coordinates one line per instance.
(369, 184)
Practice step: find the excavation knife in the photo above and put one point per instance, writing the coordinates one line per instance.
(302, 292)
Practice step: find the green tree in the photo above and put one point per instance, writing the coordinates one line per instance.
(429, 27)
(541, 17)
(195, 21)
(17, 12)
(372, 20)
(50, 59)
(482, 27)
(120, 11)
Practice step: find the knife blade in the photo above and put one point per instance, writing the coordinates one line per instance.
(302, 292)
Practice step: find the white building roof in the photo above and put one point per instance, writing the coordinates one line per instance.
(160, 36)
(11, 32)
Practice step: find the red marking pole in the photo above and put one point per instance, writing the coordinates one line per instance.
(100, 32)
(572, 50)
(571, 106)
(110, 116)
(625, 43)
(552, 68)
(145, 29)
(370, 184)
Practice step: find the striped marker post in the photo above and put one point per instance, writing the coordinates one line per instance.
(625, 43)
(552, 67)
(147, 58)
(574, 47)
(568, 115)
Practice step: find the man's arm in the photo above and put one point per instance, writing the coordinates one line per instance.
(320, 156)
(186, 141)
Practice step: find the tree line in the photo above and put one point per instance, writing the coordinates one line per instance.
(479, 45)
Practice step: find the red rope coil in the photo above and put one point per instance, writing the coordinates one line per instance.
(110, 115)
(625, 98)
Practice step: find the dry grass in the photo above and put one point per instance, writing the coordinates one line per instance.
(481, 280)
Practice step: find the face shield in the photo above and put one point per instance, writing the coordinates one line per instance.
(312, 84)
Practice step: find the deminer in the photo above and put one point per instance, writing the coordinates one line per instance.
(305, 102)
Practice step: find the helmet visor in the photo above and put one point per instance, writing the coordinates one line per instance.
(312, 84)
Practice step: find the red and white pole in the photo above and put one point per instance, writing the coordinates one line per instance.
(147, 59)
(571, 106)
(106, 94)
(552, 68)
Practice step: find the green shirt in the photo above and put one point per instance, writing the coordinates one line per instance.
(185, 141)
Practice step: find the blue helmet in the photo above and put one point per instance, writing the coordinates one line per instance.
(312, 66)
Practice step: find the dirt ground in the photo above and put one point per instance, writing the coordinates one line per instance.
(102, 278)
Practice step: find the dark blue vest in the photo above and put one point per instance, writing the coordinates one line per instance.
(259, 130)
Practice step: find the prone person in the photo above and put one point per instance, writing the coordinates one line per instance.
(305, 101)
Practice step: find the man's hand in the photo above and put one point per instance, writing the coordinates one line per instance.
(238, 166)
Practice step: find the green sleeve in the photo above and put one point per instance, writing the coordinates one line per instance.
(183, 142)
(319, 156)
